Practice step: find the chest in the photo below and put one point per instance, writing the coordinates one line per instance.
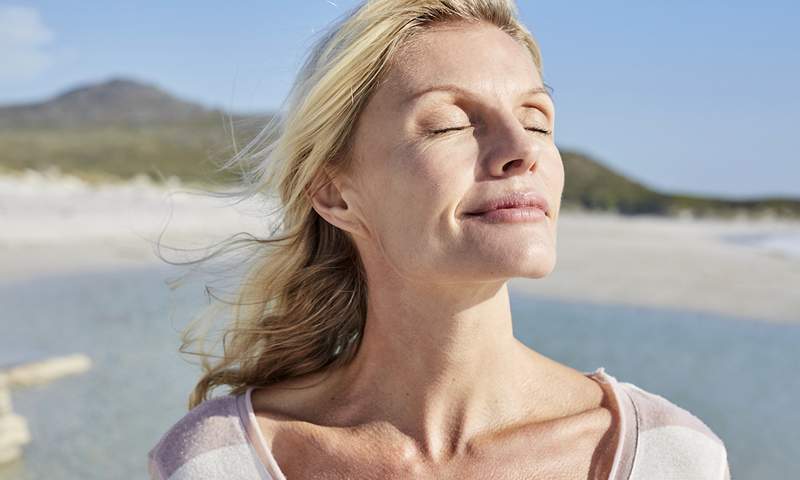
(571, 451)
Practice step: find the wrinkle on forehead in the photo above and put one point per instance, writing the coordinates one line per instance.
(402, 72)
(407, 74)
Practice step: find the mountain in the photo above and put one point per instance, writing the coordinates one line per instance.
(118, 101)
(593, 186)
(122, 127)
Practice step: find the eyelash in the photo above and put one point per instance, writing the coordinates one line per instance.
(532, 129)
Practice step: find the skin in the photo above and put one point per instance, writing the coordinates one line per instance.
(440, 388)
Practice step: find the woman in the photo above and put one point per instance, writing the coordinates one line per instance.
(417, 173)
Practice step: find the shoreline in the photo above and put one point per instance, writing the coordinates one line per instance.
(61, 225)
(669, 263)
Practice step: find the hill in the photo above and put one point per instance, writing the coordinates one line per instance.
(118, 101)
(121, 127)
(592, 186)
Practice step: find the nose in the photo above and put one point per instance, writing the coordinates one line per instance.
(514, 150)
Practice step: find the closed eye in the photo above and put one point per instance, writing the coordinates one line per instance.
(539, 130)
(451, 129)
(445, 130)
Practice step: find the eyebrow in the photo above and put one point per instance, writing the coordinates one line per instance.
(456, 89)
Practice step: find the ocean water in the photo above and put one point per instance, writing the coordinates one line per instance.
(785, 243)
(739, 376)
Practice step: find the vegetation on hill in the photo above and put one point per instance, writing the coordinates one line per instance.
(592, 186)
(122, 128)
(188, 151)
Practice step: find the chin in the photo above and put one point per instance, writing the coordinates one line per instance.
(541, 273)
(537, 265)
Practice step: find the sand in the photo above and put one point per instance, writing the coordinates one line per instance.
(54, 224)
(675, 263)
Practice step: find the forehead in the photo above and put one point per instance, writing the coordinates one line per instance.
(479, 58)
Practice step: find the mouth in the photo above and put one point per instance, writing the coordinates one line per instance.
(518, 214)
(514, 206)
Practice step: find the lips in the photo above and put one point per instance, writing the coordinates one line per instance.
(516, 199)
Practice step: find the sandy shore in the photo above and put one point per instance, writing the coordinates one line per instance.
(51, 225)
(675, 263)
(60, 224)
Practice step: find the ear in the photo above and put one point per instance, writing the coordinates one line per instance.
(325, 194)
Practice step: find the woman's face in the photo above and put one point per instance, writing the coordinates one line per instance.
(409, 187)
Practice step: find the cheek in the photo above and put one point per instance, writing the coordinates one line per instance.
(432, 181)
(419, 194)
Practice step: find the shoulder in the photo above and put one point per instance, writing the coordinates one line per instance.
(672, 442)
(208, 442)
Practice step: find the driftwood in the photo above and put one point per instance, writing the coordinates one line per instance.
(14, 433)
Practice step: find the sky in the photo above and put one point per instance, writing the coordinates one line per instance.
(685, 97)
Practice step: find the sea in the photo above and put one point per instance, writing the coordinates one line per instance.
(739, 375)
(786, 243)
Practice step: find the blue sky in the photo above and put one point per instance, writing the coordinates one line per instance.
(695, 97)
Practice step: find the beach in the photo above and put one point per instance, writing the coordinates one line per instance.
(55, 224)
(714, 266)
(58, 224)
(661, 303)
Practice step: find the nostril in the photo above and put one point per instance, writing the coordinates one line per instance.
(512, 164)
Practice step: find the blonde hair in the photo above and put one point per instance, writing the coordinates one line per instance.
(301, 306)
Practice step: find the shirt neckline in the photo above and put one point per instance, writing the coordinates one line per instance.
(628, 426)
(623, 453)
(255, 437)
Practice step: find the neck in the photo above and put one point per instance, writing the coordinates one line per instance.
(439, 367)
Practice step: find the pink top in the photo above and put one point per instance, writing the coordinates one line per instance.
(256, 437)
(221, 437)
